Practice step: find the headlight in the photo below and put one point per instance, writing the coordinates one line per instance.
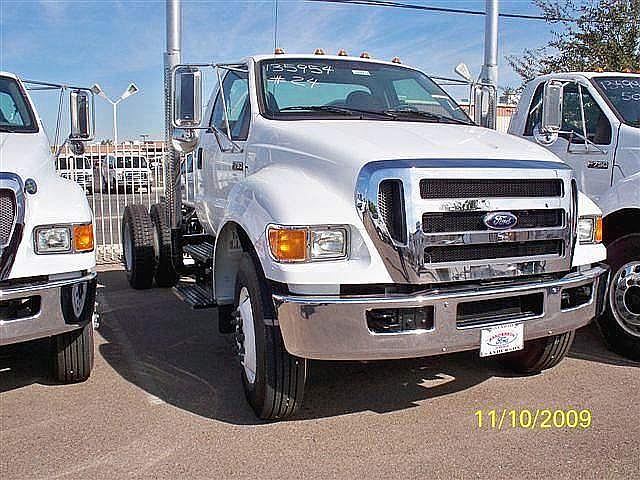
(64, 239)
(590, 229)
(53, 239)
(307, 244)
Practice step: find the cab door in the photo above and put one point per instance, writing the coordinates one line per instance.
(223, 149)
(593, 159)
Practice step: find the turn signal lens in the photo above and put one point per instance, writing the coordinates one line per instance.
(288, 245)
(83, 238)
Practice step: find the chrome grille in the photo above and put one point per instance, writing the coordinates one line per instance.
(442, 208)
(490, 188)
(7, 215)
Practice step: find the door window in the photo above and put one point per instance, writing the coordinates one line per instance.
(596, 122)
(236, 97)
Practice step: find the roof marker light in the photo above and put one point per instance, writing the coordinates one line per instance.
(342, 53)
(278, 51)
(318, 51)
(365, 55)
(396, 60)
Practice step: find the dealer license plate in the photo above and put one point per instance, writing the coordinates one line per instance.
(501, 339)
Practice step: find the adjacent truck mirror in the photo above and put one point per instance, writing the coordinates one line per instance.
(552, 107)
(81, 107)
(187, 97)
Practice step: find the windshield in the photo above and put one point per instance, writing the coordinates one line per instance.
(131, 162)
(304, 88)
(15, 113)
(624, 96)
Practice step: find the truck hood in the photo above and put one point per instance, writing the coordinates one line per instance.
(357, 142)
(25, 154)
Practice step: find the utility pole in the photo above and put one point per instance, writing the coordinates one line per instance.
(489, 74)
(172, 59)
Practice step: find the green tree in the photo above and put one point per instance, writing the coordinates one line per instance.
(605, 35)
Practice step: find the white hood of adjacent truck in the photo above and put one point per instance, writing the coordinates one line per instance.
(25, 154)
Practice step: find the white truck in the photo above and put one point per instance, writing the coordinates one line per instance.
(346, 208)
(47, 260)
(592, 121)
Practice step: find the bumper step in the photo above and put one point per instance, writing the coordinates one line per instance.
(200, 252)
(197, 296)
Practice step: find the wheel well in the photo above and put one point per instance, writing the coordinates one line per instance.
(231, 243)
(621, 223)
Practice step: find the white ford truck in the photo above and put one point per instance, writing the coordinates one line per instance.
(346, 208)
(47, 260)
(592, 122)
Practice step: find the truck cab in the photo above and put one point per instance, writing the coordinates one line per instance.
(346, 208)
(78, 169)
(598, 135)
(47, 260)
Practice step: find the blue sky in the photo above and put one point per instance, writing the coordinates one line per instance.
(117, 42)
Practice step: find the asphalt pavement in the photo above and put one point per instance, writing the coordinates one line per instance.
(165, 401)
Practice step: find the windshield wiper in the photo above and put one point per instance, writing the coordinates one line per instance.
(338, 109)
(426, 115)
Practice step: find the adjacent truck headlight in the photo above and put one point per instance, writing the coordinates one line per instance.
(590, 229)
(64, 238)
(307, 244)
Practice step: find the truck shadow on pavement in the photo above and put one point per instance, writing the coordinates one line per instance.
(176, 356)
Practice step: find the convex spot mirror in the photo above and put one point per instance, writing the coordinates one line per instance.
(552, 107)
(81, 110)
(187, 97)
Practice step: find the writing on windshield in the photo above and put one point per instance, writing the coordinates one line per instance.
(624, 95)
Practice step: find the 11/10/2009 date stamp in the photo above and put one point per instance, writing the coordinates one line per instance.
(532, 419)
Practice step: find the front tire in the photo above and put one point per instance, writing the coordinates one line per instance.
(165, 273)
(620, 324)
(539, 354)
(273, 379)
(137, 246)
(73, 351)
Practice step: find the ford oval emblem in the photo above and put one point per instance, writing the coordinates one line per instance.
(500, 220)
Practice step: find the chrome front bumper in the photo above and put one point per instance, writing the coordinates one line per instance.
(48, 321)
(335, 328)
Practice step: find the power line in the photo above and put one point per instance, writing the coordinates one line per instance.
(392, 4)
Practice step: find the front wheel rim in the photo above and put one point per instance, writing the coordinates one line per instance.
(624, 297)
(247, 339)
(78, 298)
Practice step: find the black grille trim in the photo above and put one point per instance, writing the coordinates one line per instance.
(490, 188)
(391, 208)
(451, 222)
(7, 215)
(489, 251)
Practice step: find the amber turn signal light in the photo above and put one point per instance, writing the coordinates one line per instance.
(83, 238)
(597, 234)
(288, 244)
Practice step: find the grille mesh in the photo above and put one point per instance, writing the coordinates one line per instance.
(7, 215)
(457, 253)
(391, 208)
(490, 188)
(473, 221)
